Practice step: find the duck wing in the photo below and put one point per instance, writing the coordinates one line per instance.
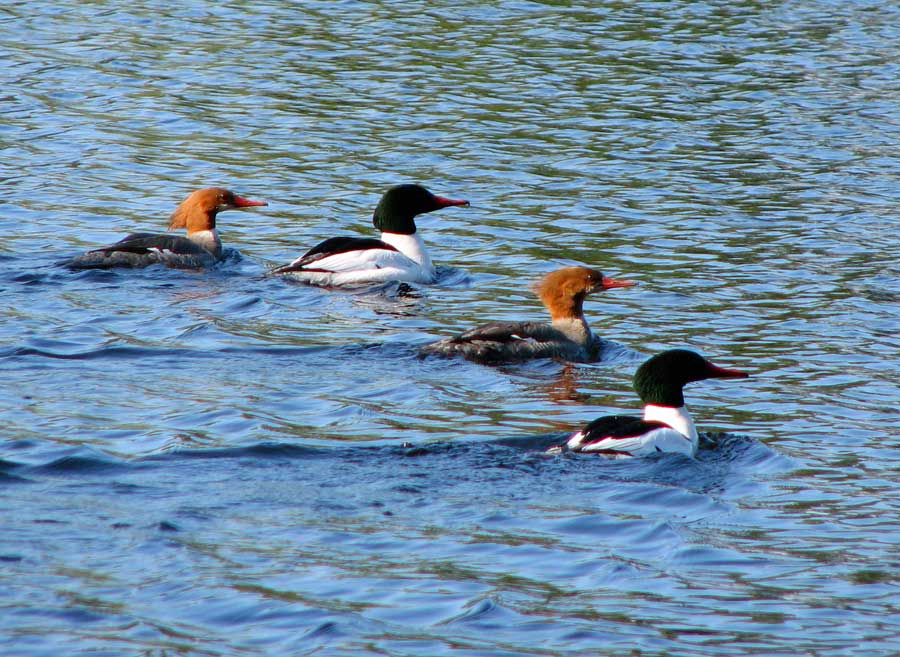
(508, 332)
(154, 242)
(338, 254)
(626, 435)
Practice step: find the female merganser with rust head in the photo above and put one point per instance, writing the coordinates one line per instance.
(201, 248)
(567, 336)
(399, 255)
(667, 425)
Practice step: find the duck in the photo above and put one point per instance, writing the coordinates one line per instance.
(666, 425)
(201, 248)
(566, 337)
(398, 255)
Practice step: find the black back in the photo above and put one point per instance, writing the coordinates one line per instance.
(335, 245)
(619, 426)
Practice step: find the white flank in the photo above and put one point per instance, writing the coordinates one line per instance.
(575, 439)
(680, 438)
(363, 267)
(646, 444)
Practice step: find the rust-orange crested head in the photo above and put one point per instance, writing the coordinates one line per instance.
(198, 211)
(563, 291)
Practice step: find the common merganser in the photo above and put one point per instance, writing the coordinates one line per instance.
(201, 248)
(667, 425)
(567, 337)
(399, 255)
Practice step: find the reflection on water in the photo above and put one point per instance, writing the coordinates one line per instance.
(202, 463)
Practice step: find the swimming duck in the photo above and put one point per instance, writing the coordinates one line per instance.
(566, 337)
(666, 425)
(201, 248)
(399, 255)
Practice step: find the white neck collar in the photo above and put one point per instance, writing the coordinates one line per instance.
(678, 418)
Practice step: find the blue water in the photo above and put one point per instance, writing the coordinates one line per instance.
(224, 464)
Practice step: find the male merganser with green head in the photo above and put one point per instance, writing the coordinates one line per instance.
(201, 248)
(567, 336)
(667, 425)
(399, 255)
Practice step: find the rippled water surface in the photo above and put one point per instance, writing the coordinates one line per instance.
(221, 463)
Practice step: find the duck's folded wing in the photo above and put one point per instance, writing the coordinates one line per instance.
(621, 434)
(339, 254)
(508, 332)
(154, 242)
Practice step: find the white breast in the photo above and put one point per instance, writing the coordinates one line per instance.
(208, 239)
(412, 247)
(677, 418)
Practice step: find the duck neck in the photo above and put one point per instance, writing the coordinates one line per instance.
(566, 311)
(208, 239)
(412, 246)
(192, 216)
(575, 329)
(676, 417)
(388, 218)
